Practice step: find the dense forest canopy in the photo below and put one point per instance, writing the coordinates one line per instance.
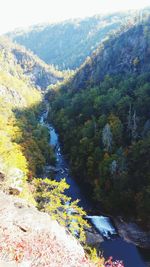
(67, 44)
(103, 117)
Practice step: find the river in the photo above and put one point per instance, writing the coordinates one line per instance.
(113, 245)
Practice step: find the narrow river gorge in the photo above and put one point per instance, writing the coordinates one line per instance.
(111, 243)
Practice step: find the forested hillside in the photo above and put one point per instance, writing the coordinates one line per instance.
(24, 147)
(18, 61)
(125, 53)
(102, 115)
(24, 153)
(67, 44)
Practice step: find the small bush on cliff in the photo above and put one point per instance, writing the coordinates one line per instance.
(51, 198)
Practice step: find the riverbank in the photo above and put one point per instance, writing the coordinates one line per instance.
(131, 232)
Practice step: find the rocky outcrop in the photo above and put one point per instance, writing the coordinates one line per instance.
(126, 53)
(93, 238)
(15, 177)
(31, 238)
(12, 96)
(16, 61)
(131, 232)
(40, 74)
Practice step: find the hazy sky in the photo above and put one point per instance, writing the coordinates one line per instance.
(22, 13)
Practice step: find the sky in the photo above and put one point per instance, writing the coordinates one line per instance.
(23, 13)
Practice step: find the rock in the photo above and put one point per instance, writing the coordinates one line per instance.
(40, 74)
(11, 95)
(131, 232)
(19, 205)
(2, 177)
(15, 176)
(8, 264)
(13, 191)
(12, 264)
(51, 168)
(35, 238)
(93, 238)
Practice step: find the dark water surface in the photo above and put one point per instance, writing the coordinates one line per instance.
(127, 252)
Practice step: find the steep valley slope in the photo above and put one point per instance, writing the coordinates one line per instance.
(21, 83)
(28, 237)
(104, 109)
(67, 44)
(102, 116)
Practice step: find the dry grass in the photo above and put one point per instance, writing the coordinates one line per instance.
(39, 250)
